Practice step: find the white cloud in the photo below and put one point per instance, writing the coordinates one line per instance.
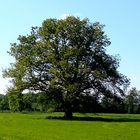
(4, 84)
(64, 16)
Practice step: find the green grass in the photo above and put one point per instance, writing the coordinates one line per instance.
(35, 126)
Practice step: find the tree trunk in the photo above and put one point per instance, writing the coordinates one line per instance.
(68, 110)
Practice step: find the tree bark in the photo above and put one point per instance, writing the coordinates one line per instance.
(68, 110)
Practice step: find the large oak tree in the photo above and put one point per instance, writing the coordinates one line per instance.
(68, 56)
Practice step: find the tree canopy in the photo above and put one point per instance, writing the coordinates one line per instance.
(67, 56)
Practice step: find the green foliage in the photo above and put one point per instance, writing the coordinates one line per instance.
(28, 100)
(115, 104)
(68, 56)
(3, 103)
(15, 100)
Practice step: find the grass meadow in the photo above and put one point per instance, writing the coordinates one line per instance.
(52, 126)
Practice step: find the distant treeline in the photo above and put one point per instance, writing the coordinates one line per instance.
(129, 103)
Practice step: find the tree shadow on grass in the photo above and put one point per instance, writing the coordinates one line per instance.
(102, 119)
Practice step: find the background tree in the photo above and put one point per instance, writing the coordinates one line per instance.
(68, 56)
(113, 104)
(15, 100)
(133, 101)
(87, 103)
(4, 102)
(28, 100)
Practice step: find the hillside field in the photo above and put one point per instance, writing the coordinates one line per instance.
(51, 126)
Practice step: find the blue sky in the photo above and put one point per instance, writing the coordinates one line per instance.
(121, 17)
